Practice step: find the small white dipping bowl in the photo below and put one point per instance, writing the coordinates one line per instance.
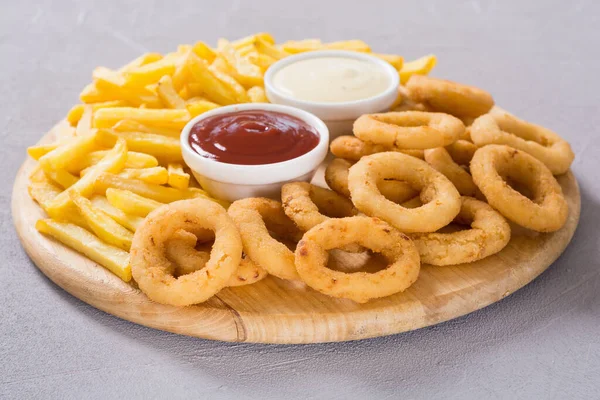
(339, 117)
(234, 181)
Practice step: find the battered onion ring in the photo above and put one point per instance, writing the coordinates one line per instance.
(153, 271)
(542, 143)
(255, 217)
(440, 197)
(492, 164)
(440, 159)
(462, 151)
(489, 234)
(353, 149)
(449, 97)
(336, 176)
(182, 250)
(309, 205)
(312, 257)
(409, 129)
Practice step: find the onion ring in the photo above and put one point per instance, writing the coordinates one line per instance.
(182, 250)
(540, 142)
(255, 217)
(489, 234)
(409, 129)
(440, 197)
(312, 256)
(153, 271)
(336, 176)
(353, 149)
(492, 164)
(309, 205)
(462, 151)
(440, 159)
(449, 97)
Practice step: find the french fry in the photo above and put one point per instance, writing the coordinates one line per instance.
(156, 175)
(84, 125)
(91, 94)
(131, 222)
(420, 66)
(203, 51)
(301, 46)
(212, 87)
(165, 118)
(114, 83)
(261, 60)
(394, 60)
(184, 92)
(141, 60)
(177, 177)
(149, 73)
(42, 191)
(101, 223)
(81, 240)
(36, 152)
(131, 203)
(243, 70)
(249, 40)
(167, 93)
(134, 159)
(62, 177)
(159, 193)
(231, 84)
(197, 192)
(257, 95)
(269, 49)
(67, 155)
(128, 125)
(181, 76)
(166, 149)
(200, 106)
(74, 114)
(113, 162)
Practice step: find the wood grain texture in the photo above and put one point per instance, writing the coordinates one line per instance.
(277, 311)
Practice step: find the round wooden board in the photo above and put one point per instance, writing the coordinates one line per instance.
(277, 311)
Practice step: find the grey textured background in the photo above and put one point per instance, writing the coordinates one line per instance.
(539, 59)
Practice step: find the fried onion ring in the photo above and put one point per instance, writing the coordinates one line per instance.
(309, 205)
(440, 159)
(183, 250)
(462, 151)
(353, 149)
(409, 129)
(153, 271)
(489, 234)
(449, 97)
(492, 165)
(255, 217)
(540, 142)
(336, 176)
(440, 197)
(312, 256)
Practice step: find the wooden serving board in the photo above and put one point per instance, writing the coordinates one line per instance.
(277, 311)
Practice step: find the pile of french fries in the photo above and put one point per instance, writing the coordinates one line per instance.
(116, 157)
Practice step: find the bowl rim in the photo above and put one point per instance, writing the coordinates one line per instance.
(284, 62)
(262, 174)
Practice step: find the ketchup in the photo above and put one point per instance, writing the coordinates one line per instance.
(252, 137)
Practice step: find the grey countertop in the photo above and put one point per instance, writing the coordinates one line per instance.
(539, 59)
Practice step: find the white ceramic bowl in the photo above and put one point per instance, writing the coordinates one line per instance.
(339, 117)
(233, 181)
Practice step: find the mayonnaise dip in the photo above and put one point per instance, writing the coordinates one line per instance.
(332, 79)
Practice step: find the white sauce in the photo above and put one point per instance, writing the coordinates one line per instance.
(332, 79)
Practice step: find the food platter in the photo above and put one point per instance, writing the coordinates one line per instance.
(278, 311)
